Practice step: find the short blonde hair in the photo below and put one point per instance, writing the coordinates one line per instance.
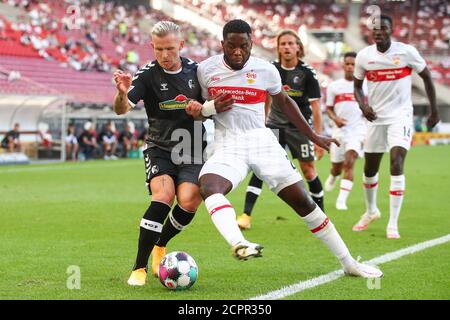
(163, 28)
(301, 52)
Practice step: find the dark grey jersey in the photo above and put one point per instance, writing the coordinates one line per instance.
(300, 84)
(165, 97)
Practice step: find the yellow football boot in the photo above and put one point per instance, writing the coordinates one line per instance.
(157, 254)
(243, 221)
(138, 277)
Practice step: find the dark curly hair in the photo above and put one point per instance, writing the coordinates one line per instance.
(236, 26)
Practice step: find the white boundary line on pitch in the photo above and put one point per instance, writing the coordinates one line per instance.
(329, 277)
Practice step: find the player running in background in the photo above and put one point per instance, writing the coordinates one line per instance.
(301, 84)
(387, 66)
(243, 143)
(165, 85)
(350, 131)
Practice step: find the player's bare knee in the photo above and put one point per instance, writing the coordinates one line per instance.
(310, 175)
(210, 184)
(208, 188)
(370, 171)
(166, 198)
(348, 165)
(309, 170)
(305, 205)
(297, 198)
(336, 169)
(396, 167)
(189, 202)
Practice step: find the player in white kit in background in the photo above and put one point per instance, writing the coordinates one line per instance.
(350, 131)
(387, 66)
(243, 143)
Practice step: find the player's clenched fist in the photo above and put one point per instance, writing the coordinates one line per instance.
(223, 102)
(194, 109)
(123, 81)
(369, 113)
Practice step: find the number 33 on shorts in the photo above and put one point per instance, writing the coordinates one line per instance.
(307, 149)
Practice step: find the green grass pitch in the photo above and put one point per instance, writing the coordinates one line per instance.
(87, 215)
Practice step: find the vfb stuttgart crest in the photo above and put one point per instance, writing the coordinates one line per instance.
(396, 60)
(251, 77)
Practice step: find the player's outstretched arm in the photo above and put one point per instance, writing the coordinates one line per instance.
(290, 109)
(123, 83)
(367, 111)
(433, 119)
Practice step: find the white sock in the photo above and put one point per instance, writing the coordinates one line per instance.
(224, 218)
(370, 193)
(396, 198)
(322, 228)
(346, 187)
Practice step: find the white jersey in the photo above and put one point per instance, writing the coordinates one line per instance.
(248, 86)
(388, 77)
(340, 96)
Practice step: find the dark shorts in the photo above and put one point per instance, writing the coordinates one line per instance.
(158, 162)
(300, 146)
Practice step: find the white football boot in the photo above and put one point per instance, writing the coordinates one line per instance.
(246, 250)
(392, 233)
(358, 269)
(330, 183)
(341, 206)
(365, 220)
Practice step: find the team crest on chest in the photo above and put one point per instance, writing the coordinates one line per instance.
(191, 84)
(251, 77)
(396, 60)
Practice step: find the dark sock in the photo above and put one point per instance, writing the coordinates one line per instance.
(253, 191)
(177, 221)
(150, 230)
(316, 191)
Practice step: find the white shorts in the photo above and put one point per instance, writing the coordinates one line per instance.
(355, 143)
(257, 150)
(382, 138)
(71, 139)
(352, 140)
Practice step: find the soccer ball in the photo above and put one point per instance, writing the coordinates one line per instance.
(177, 271)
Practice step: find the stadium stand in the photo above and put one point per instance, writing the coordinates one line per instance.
(267, 17)
(48, 44)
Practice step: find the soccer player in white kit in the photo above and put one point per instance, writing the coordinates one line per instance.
(350, 131)
(387, 66)
(243, 143)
